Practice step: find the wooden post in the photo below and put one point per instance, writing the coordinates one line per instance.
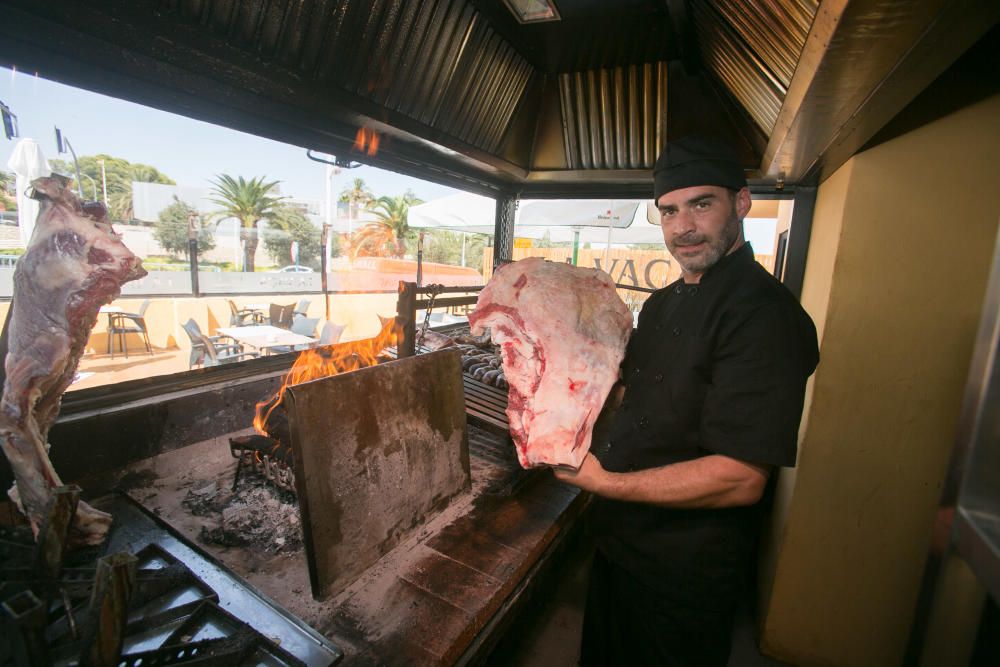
(193, 225)
(406, 325)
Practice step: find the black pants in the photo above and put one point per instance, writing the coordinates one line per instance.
(627, 623)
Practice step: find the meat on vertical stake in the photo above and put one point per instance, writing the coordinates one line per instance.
(74, 264)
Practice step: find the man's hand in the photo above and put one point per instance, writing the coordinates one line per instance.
(590, 477)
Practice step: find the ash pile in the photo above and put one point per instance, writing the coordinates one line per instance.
(254, 514)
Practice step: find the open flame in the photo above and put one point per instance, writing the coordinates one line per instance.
(325, 361)
(366, 141)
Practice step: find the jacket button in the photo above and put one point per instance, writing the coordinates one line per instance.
(657, 327)
(676, 331)
(678, 289)
(658, 377)
(643, 422)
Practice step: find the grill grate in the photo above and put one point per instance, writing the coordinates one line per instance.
(176, 608)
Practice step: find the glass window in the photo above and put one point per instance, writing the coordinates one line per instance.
(263, 217)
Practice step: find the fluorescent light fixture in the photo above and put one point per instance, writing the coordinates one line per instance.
(533, 11)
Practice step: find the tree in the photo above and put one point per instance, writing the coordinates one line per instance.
(445, 247)
(359, 196)
(171, 232)
(8, 201)
(119, 174)
(387, 235)
(289, 224)
(249, 202)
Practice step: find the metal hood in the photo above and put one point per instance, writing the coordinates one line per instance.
(460, 92)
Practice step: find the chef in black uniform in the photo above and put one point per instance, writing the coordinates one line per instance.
(714, 378)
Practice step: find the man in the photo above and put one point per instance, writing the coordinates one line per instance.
(714, 378)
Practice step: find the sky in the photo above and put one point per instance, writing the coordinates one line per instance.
(192, 152)
(189, 151)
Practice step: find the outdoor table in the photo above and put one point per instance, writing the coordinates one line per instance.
(263, 337)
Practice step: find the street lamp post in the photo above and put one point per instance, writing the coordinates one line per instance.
(104, 183)
(93, 184)
(324, 240)
(62, 145)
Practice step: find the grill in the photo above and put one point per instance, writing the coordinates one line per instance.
(266, 456)
(149, 594)
(194, 586)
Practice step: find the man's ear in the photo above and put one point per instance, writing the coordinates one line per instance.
(742, 203)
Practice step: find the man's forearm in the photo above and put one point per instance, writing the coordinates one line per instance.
(706, 482)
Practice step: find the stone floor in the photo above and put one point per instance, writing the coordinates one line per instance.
(100, 369)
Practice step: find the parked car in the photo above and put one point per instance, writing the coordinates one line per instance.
(295, 269)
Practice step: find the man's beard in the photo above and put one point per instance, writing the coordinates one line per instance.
(717, 247)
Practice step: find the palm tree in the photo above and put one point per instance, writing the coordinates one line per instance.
(387, 235)
(7, 201)
(249, 202)
(359, 195)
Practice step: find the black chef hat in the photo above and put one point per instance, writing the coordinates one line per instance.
(696, 160)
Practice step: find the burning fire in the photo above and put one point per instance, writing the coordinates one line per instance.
(325, 361)
(366, 141)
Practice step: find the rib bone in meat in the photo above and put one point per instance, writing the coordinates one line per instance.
(562, 332)
(74, 264)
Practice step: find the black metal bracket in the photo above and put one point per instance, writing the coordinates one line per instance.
(336, 162)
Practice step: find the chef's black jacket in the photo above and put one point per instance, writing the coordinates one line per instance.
(719, 367)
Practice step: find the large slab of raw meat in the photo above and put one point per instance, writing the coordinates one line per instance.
(562, 332)
(74, 264)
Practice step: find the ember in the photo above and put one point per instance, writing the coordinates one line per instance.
(267, 457)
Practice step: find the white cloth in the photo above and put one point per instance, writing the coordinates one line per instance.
(28, 163)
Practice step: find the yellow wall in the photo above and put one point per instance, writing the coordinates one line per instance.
(900, 251)
(165, 316)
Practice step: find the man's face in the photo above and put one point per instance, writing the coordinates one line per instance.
(702, 224)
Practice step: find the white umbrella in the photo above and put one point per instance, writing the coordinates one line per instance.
(463, 212)
(595, 220)
(627, 221)
(28, 163)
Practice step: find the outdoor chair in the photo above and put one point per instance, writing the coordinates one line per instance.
(282, 316)
(303, 307)
(210, 351)
(304, 326)
(122, 324)
(331, 333)
(240, 317)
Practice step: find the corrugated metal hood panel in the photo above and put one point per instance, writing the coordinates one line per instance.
(753, 49)
(435, 61)
(614, 118)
